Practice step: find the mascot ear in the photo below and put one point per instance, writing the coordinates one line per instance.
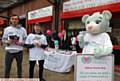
(107, 14)
(84, 18)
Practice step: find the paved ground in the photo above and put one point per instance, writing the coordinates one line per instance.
(49, 75)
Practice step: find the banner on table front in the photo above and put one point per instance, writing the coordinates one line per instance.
(89, 68)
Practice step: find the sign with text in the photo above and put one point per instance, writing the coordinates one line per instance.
(40, 13)
(89, 68)
(82, 4)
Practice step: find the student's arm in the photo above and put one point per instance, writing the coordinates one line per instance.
(28, 43)
(24, 36)
(5, 38)
(45, 45)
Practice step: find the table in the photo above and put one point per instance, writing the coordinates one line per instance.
(59, 61)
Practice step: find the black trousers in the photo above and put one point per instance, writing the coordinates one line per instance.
(8, 62)
(31, 69)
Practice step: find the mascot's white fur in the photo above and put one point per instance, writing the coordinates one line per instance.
(95, 40)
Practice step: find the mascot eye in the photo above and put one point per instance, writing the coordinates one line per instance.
(88, 22)
(98, 21)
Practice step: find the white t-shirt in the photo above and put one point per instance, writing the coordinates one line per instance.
(101, 42)
(36, 53)
(19, 32)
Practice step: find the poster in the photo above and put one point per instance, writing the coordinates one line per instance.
(89, 68)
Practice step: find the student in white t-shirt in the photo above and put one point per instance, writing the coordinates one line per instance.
(13, 39)
(37, 43)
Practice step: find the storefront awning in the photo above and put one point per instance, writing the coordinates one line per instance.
(40, 20)
(114, 7)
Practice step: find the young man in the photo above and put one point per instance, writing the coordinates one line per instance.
(13, 39)
(37, 43)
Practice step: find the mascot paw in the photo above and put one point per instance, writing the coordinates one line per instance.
(97, 52)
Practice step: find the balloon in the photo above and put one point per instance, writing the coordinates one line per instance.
(56, 42)
(76, 38)
(49, 32)
(60, 35)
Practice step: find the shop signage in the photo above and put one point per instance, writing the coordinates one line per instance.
(89, 68)
(2, 21)
(40, 13)
(82, 4)
(22, 16)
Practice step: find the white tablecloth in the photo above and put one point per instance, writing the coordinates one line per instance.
(59, 61)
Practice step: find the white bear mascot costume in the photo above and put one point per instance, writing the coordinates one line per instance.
(95, 40)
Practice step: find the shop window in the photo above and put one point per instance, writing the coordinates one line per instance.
(45, 26)
(75, 25)
(115, 34)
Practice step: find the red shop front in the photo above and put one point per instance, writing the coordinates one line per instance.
(74, 10)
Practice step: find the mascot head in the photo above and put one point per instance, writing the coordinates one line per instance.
(98, 22)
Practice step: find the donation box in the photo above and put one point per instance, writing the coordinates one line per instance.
(89, 68)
